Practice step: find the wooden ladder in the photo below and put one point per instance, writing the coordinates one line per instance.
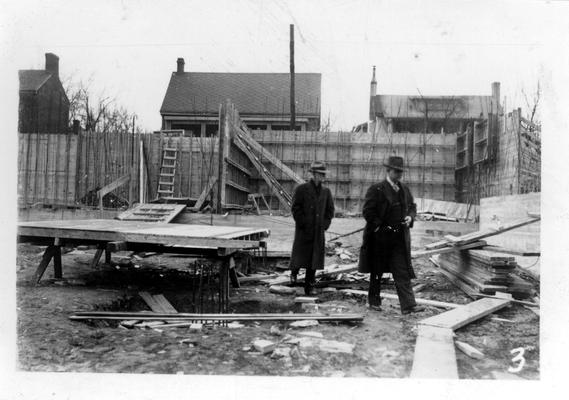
(167, 171)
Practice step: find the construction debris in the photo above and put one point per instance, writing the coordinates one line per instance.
(304, 299)
(278, 289)
(312, 334)
(304, 323)
(264, 346)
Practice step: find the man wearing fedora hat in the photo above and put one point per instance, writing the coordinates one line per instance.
(312, 209)
(389, 211)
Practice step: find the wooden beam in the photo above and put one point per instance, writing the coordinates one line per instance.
(46, 258)
(164, 303)
(237, 186)
(110, 187)
(418, 300)
(243, 133)
(151, 316)
(499, 249)
(466, 314)
(154, 305)
(97, 256)
(212, 180)
(469, 350)
(435, 356)
(474, 236)
(427, 253)
(241, 168)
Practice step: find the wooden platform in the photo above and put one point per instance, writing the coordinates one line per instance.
(114, 235)
(109, 230)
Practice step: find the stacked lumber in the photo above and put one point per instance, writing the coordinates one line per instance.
(485, 271)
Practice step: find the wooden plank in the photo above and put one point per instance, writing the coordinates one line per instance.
(418, 300)
(154, 305)
(246, 136)
(464, 239)
(97, 257)
(151, 316)
(46, 258)
(212, 180)
(466, 314)
(110, 187)
(435, 356)
(177, 236)
(427, 253)
(164, 303)
(503, 250)
(469, 350)
(152, 212)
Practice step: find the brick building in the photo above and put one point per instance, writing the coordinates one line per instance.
(44, 106)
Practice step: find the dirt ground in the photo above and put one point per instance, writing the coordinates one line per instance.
(383, 343)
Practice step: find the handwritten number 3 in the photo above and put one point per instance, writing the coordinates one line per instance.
(519, 358)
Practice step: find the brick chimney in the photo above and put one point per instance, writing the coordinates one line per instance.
(180, 66)
(52, 63)
(373, 86)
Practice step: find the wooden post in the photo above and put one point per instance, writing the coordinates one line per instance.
(292, 97)
(141, 172)
(223, 153)
(48, 254)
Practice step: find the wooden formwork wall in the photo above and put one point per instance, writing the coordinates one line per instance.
(355, 161)
(46, 168)
(514, 162)
(197, 161)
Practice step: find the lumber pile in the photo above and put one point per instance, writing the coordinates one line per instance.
(484, 272)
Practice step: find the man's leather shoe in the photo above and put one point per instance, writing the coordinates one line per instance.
(413, 309)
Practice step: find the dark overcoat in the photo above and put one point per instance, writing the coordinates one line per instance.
(312, 213)
(377, 205)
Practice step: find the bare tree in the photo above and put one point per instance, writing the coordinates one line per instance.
(97, 113)
(533, 104)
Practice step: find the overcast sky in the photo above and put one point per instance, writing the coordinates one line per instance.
(128, 49)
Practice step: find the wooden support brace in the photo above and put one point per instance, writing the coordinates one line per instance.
(97, 256)
(46, 258)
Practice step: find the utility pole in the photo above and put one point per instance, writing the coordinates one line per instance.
(292, 99)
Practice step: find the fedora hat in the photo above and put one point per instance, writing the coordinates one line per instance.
(318, 166)
(394, 162)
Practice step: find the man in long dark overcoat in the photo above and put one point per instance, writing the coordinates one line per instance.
(312, 209)
(389, 210)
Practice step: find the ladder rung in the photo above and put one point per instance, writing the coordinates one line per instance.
(169, 157)
(165, 183)
(166, 174)
(168, 166)
(165, 191)
(170, 149)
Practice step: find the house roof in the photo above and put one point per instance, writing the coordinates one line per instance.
(397, 106)
(33, 79)
(252, 93)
